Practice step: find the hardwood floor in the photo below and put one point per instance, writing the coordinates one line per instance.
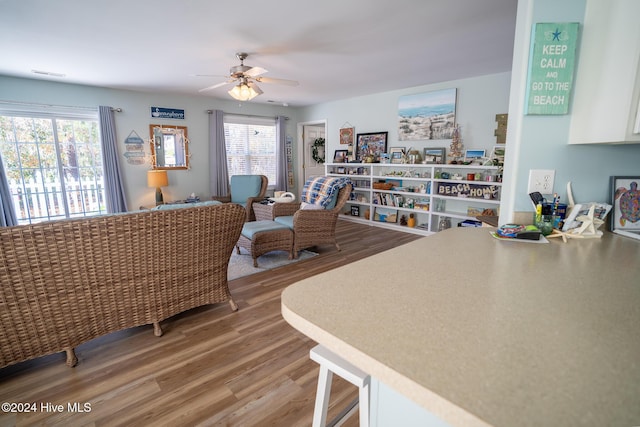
(211, 367)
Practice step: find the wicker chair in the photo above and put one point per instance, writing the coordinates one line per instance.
(245, 190)
(316, 227)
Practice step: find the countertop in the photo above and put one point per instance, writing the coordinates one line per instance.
(480, 331)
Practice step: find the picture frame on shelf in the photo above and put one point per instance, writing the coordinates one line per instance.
(371, 145)
(497, 155)
(476, 155)
(385, 215)
(340, 156)
(434, 156)
(355, 210)
(624, 196)
(396, 154)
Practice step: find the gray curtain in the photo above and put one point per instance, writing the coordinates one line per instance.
(281, 154)
(7, 213)
(219, 174)
(113, 183)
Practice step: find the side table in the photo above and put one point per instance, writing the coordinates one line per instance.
(264, 212)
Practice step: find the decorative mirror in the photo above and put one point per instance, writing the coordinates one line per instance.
(169, 147)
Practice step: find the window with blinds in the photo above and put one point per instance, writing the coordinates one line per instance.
(251, 146)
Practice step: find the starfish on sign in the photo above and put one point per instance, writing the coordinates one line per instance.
(590, 224)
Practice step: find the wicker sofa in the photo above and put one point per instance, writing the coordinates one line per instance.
(63, 283)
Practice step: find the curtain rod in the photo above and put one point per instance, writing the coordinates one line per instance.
(35, 104)
(246, 115)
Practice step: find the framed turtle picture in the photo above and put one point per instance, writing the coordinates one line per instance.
(625, 200)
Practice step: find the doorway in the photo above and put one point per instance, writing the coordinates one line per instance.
(308, 132)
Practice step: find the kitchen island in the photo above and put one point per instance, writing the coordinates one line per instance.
(479, 331)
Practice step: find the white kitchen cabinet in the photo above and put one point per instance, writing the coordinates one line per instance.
(607, 84)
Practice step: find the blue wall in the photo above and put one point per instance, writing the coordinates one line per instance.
(541, 142)
(136, 116)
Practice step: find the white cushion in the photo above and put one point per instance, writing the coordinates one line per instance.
(310, 206)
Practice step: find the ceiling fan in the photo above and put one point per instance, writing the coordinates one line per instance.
(246, 78)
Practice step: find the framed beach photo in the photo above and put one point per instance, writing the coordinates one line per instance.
(371, 145)
(425, 116)
(473, 155)
(434, 156)
(396, 154)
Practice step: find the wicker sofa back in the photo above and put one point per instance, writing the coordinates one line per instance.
(65, 282)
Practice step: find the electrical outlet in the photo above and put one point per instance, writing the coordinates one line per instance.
(541, 180)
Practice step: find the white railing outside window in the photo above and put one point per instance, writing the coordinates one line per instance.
(53, 164)
(35, 202)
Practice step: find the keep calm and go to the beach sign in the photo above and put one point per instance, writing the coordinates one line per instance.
(551, 68)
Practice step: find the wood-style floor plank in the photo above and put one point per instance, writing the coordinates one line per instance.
(211, 367)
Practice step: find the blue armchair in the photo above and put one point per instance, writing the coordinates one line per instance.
(245, 190)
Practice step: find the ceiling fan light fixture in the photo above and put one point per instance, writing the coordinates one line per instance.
(245, 91)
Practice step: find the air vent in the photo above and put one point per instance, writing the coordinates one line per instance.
(48, 73)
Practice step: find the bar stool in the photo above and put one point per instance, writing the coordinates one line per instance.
(331, 364)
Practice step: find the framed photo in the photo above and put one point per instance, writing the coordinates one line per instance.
(355, 210)
(497, 154)
(471, 155)
(385, 215)
(371, 144)
(625, 201)
(346, 136)
(340, 156)
(396, 154)
(434, 156)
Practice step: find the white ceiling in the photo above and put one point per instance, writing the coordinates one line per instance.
(336, 49)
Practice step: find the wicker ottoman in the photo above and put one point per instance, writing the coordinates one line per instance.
(260, 237)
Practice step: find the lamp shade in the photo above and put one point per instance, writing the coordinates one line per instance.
(245, 91)
(157, 178)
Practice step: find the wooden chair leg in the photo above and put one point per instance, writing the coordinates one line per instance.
(232, 303)
(157, 330)
(72, 360)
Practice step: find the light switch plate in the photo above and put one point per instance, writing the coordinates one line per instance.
(541, 180)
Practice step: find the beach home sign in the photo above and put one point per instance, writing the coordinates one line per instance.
(551, 68)
(460, 189)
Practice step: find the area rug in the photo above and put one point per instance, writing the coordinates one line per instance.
(242, 265)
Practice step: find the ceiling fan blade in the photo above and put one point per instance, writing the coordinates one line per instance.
(277, 81)
(255, 87)
(216, 85)
(255, 71)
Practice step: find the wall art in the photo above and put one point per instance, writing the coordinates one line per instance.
(426, 116)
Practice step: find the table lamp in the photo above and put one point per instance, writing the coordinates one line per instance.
(157, 179)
